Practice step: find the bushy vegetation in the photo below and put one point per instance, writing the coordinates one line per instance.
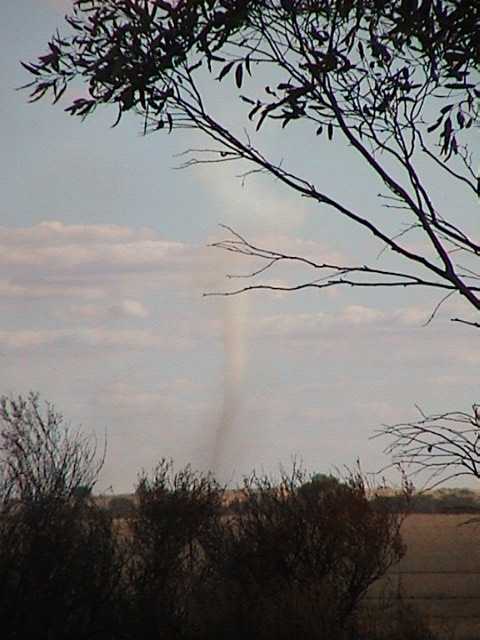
(60, 563)
(290, 558)
(296, 557)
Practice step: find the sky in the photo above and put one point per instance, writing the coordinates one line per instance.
(104, 259)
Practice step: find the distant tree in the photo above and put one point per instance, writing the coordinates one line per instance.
(461, 501)
(319, 483)
(446, 501)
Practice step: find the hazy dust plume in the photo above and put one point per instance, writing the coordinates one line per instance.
(235, 350)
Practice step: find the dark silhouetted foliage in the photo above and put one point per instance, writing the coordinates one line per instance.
(396, 82)
(175, 511)
(295, 558)
(441, 501)
(121, 507)
(286, 559)
(60, 564)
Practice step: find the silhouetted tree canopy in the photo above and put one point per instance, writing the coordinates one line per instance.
(41, 456)
(396, 80)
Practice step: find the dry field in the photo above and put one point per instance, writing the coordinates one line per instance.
(440, 574)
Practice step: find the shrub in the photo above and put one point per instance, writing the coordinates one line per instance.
(121, 507)
(287, 559)
(174, 512)
(297, 558)
(59, 560)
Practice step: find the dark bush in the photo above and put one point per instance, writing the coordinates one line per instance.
(121, 507)
(175, 512)
(295, 559)
(180, 562)
(60, 564)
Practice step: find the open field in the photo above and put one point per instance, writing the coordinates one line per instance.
(440, 574)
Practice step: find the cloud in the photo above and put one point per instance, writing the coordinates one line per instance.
(94, 262)
(29, 288)
(130, 309)
(124, 338)
(357, 314)
(307, 325)
(27, 339)
(260, 204)
(107, 287)
(57, 232)
(97, 337)
(127, 308)
(284, 273)
(52, 259)
(141, 255)
(123, 396)
(115, 315)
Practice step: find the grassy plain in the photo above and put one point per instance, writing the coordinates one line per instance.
(439, 575)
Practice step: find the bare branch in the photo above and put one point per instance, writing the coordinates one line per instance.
(336, 275)
(442, 446)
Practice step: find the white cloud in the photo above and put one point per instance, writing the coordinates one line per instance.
(9, 289)
(126, 396)
(98, 337)
(413, 316)
(123, 338)
(285, 243)
(55, 260)
(142, 255)
(74, 288)
(55, 232)
(52, 288)
(312, 325)
(28, 339)
(83, 311)
(127, 308)
(357, 314)
(95, 262)
(130, 309)
(261, 204)
(52, 252)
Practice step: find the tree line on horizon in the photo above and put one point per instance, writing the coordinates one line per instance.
(442, 501)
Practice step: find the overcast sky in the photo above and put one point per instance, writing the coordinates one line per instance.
(103, 262)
